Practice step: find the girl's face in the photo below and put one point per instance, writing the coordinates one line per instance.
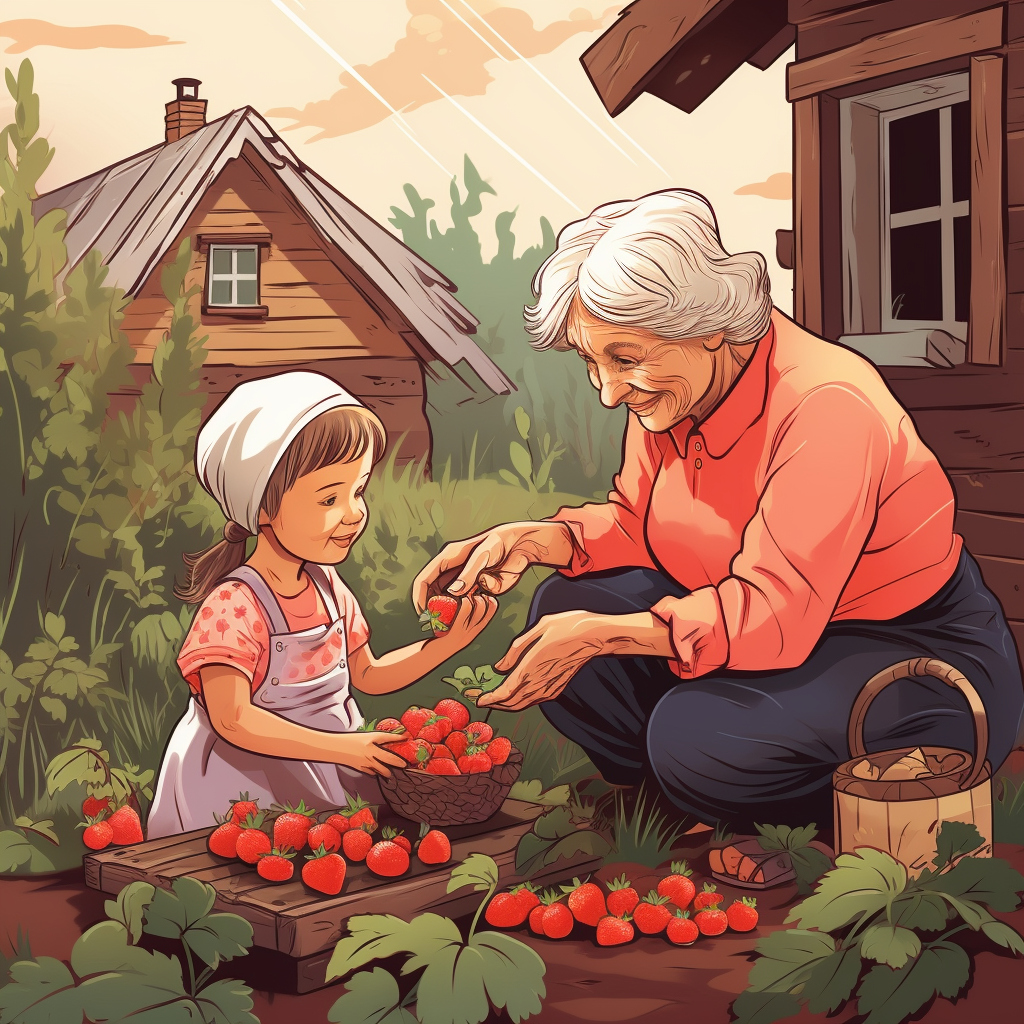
(324, 512)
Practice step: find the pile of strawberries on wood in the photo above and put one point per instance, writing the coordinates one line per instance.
(106, 823)
(620, 912)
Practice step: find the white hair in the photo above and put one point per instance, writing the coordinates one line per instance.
(656, 263)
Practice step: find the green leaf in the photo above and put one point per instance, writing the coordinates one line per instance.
(764, 1007)
(889, 944)
(809, 864)
(989, 880)
(228, 1001)
(832, 980)
(532, 791)
(41, 991)
(477, 870)
(372, 998)
(787, 958)
(953, 840)
(378, 936)
(890, 997)
(521, 460)
(171, 914)
(218, 937)
(513, 974)
(53, 626)
(523, 422)
(508, 477)
(43, 827)
(15, 850)
(55, 706)
(1004, 935)
(922, 911)
(555, 824)
(451, 988)
(129, 907)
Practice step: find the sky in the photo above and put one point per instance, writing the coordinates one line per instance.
(375, 95)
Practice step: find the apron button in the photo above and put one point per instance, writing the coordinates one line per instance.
(274, 681)
(280, 647)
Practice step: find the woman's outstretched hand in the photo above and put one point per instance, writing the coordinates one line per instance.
(494, 560)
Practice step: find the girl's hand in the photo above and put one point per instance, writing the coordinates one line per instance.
(364, 752)
(470, 621)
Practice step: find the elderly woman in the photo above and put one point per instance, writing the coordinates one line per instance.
(777, 534)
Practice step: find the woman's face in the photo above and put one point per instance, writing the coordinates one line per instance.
(660, 380)
(324, 512)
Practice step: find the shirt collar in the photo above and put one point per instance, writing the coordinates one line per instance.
(741, 407)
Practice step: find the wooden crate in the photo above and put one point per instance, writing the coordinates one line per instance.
(303, 925)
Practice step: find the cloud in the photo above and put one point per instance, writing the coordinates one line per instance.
(776, 186)
(28, 32)
(438, 45)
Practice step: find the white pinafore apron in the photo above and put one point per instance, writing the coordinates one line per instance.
(307, 682)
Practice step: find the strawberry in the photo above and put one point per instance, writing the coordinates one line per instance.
(397, 837)
(127, 828)
(457, 742)
(339, 823)
(474, 760)
(387, 859)
(536, 918)
(358, 812)
(651, 915)
(434, 729)
(276, 866)
(622, 897)
(708, 898)
(557, 921)
(253, 842)
(442, 766)
(433, 847)
(711, 921)
(586, 901)
(440, 613)
(324, 872)
(498, 749)
(356, 843)
(479, 733)
(92, 806)
(454, 711)
(98, 833)
(506, 910)
(292, 825)
(678, 886)
(527, 896)
(389, 725)
(415, 751)
(223, 840)
(242, 808)
(681, 930)
(324, 835)
(414, 719)
(440, 750)
(614, 931)
(742, 915)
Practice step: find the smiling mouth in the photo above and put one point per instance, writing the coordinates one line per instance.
(345, 538)
(645, 407)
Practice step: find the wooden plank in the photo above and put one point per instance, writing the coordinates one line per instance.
(1014, 322)
(807, 281)
(990, 492)
(1015, 72)
(986, 332)
(1005, 578)
(1015, 168)
(774, 48)
(896, 51)
(385, 377)
(974, 439)
(986, 534)
(805, 10)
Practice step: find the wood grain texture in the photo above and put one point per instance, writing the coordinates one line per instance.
(806, 10)
(985, 439)
(1015, 168)
(1014, 322)
(1015, 79)
(996, 492)
(993, 535)
(895, 51)
(807, 283)
(772, 50)
(986, 330)
(964, 387)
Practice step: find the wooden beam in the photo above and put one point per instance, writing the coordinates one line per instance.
(993, 535)
(986, 332)
(807, 213)
(998, 493)
(805, 10)
(774, 48)
(896, 51)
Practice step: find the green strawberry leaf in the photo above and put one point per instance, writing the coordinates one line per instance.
(923, 911)
(832, 980)
(227, 1001)
(129, 907)
(40, 990)
(890, 997)
(764, 1007)
(787, 959)
(372, 997)
(889, 944)
(809, 864)
(477, 870)
(218, 937)
(513, 973)
(989, 880)
(1004, 935)
(378, 936)
(532, 791)
(954, 839)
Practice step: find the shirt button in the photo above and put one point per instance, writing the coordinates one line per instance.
(280, 647)
(697, 446)
(274, 681)
(697, 463)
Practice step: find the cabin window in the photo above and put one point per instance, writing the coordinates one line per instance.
(234, 275)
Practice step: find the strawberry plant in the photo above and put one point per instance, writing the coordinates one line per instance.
(873, 934)
(459, 979)
(88, 764)
(561, 832)
(111, 977)
(809, 863)
(19, 847)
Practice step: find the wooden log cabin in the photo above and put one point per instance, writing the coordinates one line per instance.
(908, 207)
(291, 273)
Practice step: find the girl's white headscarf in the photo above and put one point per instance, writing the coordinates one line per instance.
(247, 435)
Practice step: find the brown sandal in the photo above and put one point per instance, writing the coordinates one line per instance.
(745, 863)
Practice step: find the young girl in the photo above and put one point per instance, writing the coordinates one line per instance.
(277, 641)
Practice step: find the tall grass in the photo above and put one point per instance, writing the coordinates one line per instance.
(643, 835)
(1008, 812)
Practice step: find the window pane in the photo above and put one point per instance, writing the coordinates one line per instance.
(914, 162)
(220, 293)
(916, 271)
(961, 132)
(246, 261)
(222, 261)
(962, 266)
(247, 292)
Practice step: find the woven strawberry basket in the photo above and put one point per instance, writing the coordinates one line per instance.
(450, 799)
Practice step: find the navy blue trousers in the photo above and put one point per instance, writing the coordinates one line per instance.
(740, 747)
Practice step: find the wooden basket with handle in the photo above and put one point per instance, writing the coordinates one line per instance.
(902, 816)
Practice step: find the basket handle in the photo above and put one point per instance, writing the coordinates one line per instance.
(916, 668)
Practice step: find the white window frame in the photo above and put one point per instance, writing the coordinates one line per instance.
(234, 277)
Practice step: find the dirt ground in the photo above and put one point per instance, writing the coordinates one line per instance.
(648, 980)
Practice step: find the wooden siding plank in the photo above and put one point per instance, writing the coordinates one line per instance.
(1015, 168)
(1005, 578)
(896, 51)
(986, 534)
(999, 492)
(966, 386)
(974, 439)
(389, 378)
(1015, 78)
(986, 332)
(806, 10)
(1015, 321)
(807, 278)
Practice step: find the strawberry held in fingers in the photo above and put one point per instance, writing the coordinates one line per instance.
(678, 886)
(276, 866)
(440, 613)
(586, 901)
(324, 872)
(454, 711)
(126, 827)
(622, 897)
(614, 931)
(708, 897)
(652, 915)
(389, 725)
(742, 915)
(681, 930)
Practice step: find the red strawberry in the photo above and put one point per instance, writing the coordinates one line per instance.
(454, 711)
(223, 840)
(242, 808)
(536, 918)
(586, 901)
(742, 915)
(527, 896)
(440, 750)
(339, 823)
(414, 719)
(506, 910)
(253, 841)
(708, 898)
(356, 843)
(358, 812)
(324, 872)
(711, 921)
(415, 751)
(326, 836)
(474, 760)
(92, 806)
(440, 613)
(276, 866)
(442, 766)
(457, 742)
(397, 837)
(498, 749)
(622, 897)
(613, 931)
(678, 886)
(292, 825)
(387, 859)
(435, 729)
(127, 828)
(681, 930)
(479, 732)
(557, 921)
(389, 725)
(651, 915)
(434, 847)
(98, 833)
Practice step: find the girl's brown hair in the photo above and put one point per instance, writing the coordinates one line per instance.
(341, 435)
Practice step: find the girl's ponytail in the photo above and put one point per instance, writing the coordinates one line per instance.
(205, 568)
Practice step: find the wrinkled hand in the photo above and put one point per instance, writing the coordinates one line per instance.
(541, 662)
(364, 752)
(470, 621)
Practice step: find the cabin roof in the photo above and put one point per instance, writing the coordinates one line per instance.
(132, 212)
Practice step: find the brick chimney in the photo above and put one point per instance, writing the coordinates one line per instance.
(187, 112)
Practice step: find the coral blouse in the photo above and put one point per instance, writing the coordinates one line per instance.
(805, 497)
